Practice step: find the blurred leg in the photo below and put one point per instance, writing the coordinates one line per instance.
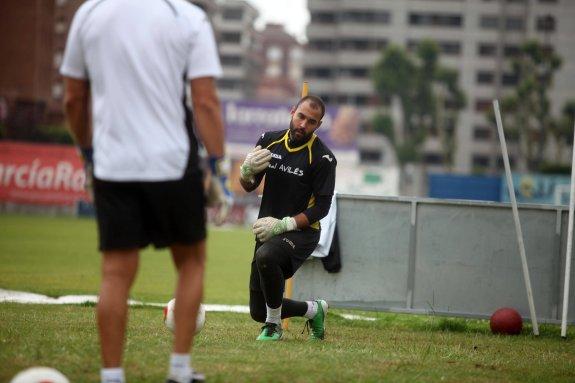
(118, 272)
(190, 263)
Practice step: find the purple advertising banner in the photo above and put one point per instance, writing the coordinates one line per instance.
(246, 120)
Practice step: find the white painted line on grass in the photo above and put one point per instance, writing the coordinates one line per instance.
(25, 297)
(357, 317)
(32, 298)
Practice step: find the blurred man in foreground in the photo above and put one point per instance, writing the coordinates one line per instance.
(132, 62)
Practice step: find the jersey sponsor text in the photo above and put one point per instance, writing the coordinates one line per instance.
(287, 169)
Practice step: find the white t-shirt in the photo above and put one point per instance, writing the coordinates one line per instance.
(137, 55)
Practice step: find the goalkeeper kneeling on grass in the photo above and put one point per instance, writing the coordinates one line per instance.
(299, 173)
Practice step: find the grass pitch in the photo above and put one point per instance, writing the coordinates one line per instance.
(57, 256)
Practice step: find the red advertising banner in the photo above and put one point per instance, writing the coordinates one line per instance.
(40, 174)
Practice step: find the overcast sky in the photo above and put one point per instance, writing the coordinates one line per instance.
(292, 14)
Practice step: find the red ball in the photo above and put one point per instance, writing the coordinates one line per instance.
(506, 321)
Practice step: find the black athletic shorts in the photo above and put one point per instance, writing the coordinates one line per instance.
(137, 214)
(292, 249)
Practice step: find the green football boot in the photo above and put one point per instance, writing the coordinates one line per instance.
(317, 323)
(271, 332)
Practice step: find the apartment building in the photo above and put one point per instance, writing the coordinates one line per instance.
(476, 37)
(279, 55)
(32, 40)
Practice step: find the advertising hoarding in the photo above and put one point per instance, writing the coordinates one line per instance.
(40, 174)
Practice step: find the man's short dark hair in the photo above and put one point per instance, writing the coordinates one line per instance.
(314, 101)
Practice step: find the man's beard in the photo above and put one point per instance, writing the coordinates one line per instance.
(293, 140)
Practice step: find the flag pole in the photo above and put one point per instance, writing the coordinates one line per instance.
(569, 248)
(516, 217)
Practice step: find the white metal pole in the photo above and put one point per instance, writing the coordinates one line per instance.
(516, 217)
(569, 248)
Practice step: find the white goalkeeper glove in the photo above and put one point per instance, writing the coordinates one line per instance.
(218, 193)
(267, 227)
(256, 161)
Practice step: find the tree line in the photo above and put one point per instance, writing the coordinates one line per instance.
(425, 100)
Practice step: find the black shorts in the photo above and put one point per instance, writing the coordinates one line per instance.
(137, 214)
(292, 247)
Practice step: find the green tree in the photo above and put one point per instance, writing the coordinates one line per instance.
(449, 91)
(561, 129)
(527, 109)
(422, 89)
(383, 124)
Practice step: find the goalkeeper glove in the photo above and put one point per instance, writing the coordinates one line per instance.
(219, 194)
(267, 227)
(256, 161)
(88, 159)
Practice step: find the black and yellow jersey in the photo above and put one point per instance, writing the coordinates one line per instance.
(295, 175)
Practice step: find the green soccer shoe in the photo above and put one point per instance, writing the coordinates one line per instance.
(317, 323)
(271, 332)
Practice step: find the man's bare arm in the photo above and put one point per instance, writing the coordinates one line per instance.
(76, 107)
(248, 186)
(208, 115)
(301, 221)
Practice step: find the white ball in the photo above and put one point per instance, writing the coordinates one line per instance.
(40, 375)
(169, 316)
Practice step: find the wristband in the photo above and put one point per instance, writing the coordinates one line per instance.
(215, 164)
(87, 154)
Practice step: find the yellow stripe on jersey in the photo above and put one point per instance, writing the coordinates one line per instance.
(307, 145)
(311, 203)
(285, 136)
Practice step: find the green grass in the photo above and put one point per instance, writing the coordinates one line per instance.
(398, 348)
(57, 256)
